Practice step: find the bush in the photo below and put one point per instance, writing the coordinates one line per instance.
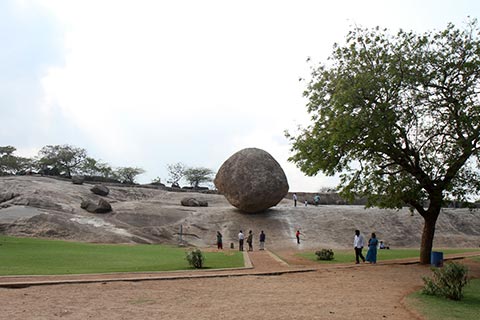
(447, 282)
(324, 254)
(195, 258)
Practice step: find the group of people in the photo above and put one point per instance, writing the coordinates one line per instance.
(359, 243)
(241, 239)
(316, 200)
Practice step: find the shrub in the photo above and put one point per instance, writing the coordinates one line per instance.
(447, 282)
(195, 258)
(324, 254)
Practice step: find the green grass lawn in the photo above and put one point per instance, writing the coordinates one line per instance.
(348, 256)
(432, 307)
(29, 256)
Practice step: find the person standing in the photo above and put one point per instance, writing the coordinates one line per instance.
(250, 241)
(262, 240)
(297, 235)
(358, 244)
(295, 198)
(372, 249)
(241, 237)
(219, 241)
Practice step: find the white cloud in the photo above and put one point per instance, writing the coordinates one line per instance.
(149, 83)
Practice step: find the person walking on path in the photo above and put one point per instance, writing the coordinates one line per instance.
(241, 237)
(372, 249)
(250, 241)
(358, 244)
(219, 241)
(297, 235)
(295, 198)
(262, 240)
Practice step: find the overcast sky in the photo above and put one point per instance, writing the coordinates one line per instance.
(151, 83)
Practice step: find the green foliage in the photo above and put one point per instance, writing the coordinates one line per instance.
(93, 167)
(29, 256)
(128, 174)
(195, 258)
(398, 117)
(447, 282)
(195, 176)
(439, 308)
(65, 159)
(405, 107)
(324, 254)
(11, 164)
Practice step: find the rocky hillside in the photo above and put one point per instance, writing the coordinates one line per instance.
(44, 207)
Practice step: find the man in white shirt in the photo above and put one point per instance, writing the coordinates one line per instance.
(241, 237)
(358, 244)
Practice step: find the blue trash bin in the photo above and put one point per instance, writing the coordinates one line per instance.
(436, 259)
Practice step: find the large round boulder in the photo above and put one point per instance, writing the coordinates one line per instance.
(252, 180)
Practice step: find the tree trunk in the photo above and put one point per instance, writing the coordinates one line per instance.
(427, 235)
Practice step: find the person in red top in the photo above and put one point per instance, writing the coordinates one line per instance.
(297, 234)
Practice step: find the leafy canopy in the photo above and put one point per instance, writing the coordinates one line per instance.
(11, 164)
(398, 116)
(128, 174)
(195, 176)
(65, 158)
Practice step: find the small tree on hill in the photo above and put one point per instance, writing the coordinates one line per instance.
(93, 167)
(195, 176)
(176, 172)
(11, 164)
(64, 159)
(399, 118)
(128, 174)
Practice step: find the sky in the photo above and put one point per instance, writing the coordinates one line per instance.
(151, 83)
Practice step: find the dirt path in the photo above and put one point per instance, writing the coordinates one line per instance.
(333, 292)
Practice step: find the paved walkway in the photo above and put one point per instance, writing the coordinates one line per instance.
(256, 263)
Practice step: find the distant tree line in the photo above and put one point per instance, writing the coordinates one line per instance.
(67, 161)
(194, 175)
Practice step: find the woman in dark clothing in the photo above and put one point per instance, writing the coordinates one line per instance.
(250, 241)
(219, 240)
(262, 240)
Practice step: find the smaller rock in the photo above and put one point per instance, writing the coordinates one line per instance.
(192, 202)
(101, 190)
(102, 207)
(78, 179)
(7, 196)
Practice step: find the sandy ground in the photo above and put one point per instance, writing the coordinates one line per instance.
(332, 292)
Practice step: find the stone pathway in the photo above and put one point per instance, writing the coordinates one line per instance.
(256, 263)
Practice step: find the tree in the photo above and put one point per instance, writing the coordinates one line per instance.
(11, 164)
(195, 176)
(64, 159)
(128, 174)
(93, 167)
(176, 172)
(398, 117)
